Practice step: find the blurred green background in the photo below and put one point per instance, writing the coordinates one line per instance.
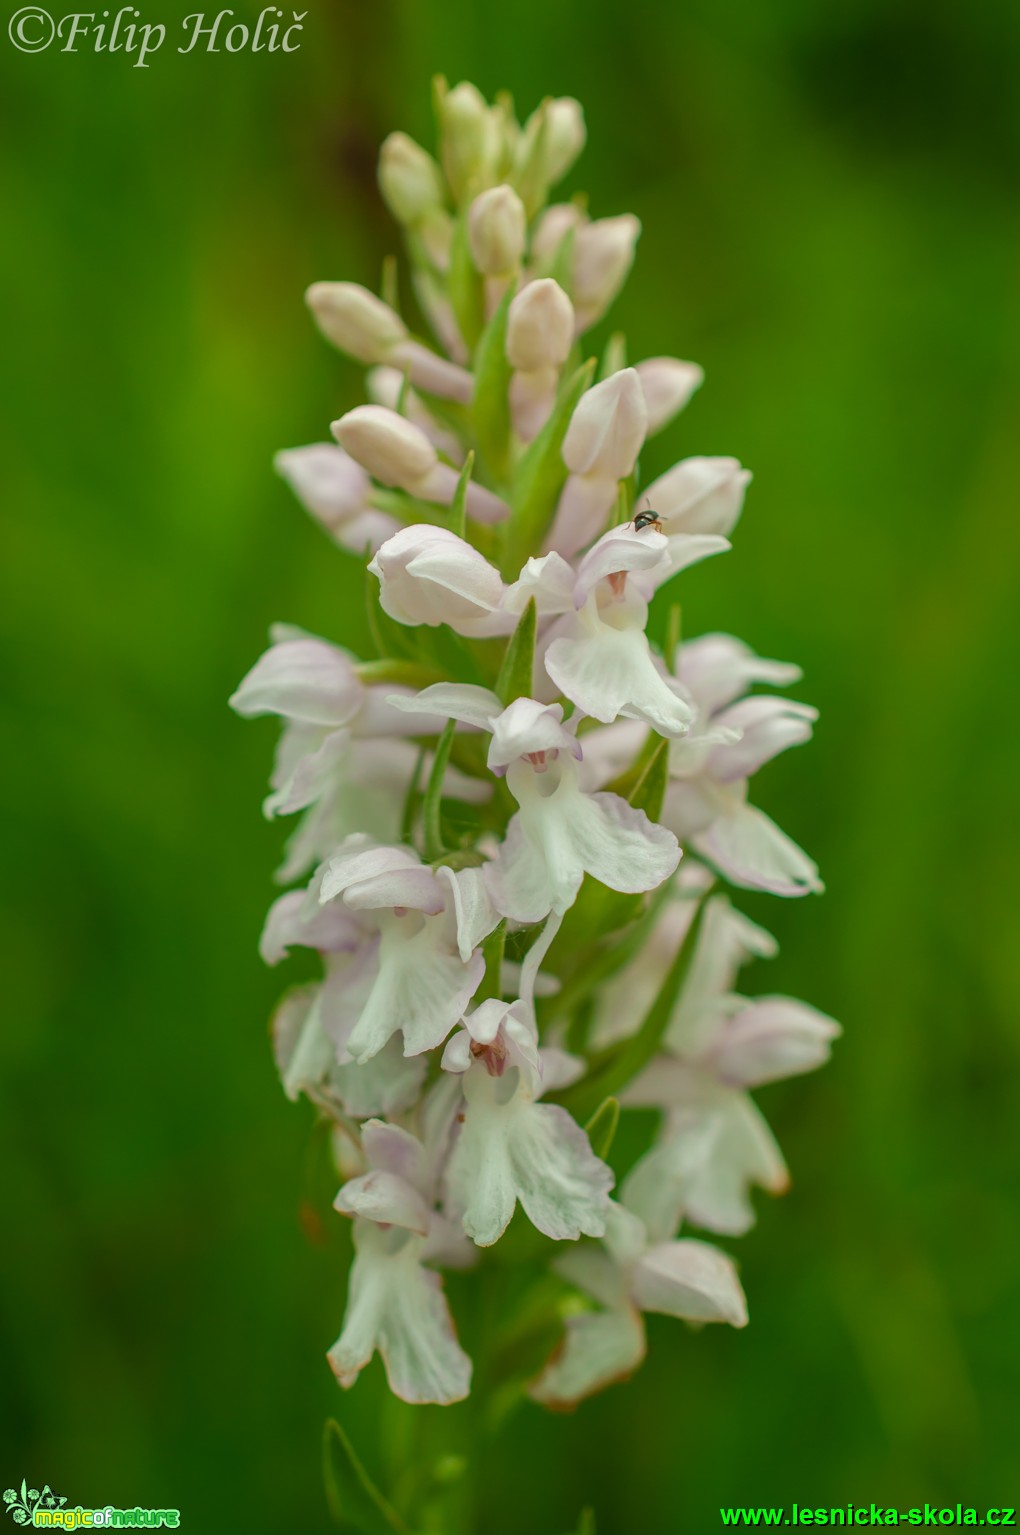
(829, 197)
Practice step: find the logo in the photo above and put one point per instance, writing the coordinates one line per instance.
(22, 1506)
(46, 1511)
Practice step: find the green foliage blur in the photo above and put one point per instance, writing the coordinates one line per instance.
(829, 199)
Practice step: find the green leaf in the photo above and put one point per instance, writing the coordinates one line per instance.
(354, 1500)
(490, 406)
(601, 1127)
(561, 268)
(650, 790)
(409, 674)
(390, 289)
(613, 1068)
(614, 357)
(515, 678)
(431, 818)
(541, 475)
(465, 286)
(458, 508)
(492, 949)
(411, 799)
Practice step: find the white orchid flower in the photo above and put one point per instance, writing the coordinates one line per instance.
(599, 656)
(706, 803)
(638, 1268)
(395, 1305)
(560, 833)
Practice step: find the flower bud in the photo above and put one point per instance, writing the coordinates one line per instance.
(367, 329)
(552, 229)
(668, 385)
(603, 255)
(547, 147)
(470, 139)
(355, 320)
(393, 450)
(335, 489)
(497, 228)
(701, 495)
(409, 179)
(564, 136)
(540, 326)
(396, 452)
(607, 428)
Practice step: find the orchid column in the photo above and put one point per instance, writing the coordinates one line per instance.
(520, 824)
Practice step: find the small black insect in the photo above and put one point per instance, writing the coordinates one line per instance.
(648, 519)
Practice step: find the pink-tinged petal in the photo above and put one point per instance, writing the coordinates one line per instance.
(433, 374)
(430, 576)
(421, 989)
(462, 701)
(668, 384)
(327, 482)
(771, 1038)
(549, 580)
(700, 495)
(475, 914)
(751, 851)
(397, 1308)
(527, 727)
(603, 255)
(599, 1349)
(607, 428)
(767, 727)
(716, 669)
(292, 922)
(625, 548)
(604, 665)
(307, 680)
(692, 1280)
(379, 878)
(683, 550)
(314, 773)
(440, 485)
(457, 1057)
(393, 1149)
(386, 1199)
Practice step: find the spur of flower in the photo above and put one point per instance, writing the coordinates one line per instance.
(521, 823)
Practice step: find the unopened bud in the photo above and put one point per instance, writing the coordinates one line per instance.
(668, 385)
(367, 329)
(540, 326)
(497, 228)
(409, 179)
(552, 229)
(607, 428)
(396, 452)
(564, 136)
(355, 320)
(470, 139)
(603, 255)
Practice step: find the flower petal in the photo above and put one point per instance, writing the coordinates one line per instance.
(600, 1348)
(397, 1307)
(421, 989)
(771, 1038)
(692, 1280)
(604, 665)
(716, 669)
(751, 851)
(304, 679)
